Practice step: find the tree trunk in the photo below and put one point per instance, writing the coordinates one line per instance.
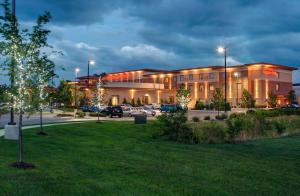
(41, 120)
(21, 149)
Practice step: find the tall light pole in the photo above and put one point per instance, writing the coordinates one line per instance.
(223, 50)
(237, 75)
(90, 62)
(75, 90)
(12, 81)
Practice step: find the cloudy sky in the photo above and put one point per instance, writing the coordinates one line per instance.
(168, 34)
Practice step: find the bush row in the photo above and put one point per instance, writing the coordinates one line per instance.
(238, 126)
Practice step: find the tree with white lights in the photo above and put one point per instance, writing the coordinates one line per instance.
(183, 96)
(99, 94)
(25, 63)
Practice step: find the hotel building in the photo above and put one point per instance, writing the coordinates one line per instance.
(157, 86)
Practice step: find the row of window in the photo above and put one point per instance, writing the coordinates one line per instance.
(202, 76)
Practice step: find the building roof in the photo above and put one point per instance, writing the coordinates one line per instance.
(158, 71)
(265, 63)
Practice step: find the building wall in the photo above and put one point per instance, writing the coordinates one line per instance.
(258, 79)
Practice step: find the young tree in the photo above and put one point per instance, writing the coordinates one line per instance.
(183, 96)
(272, 101)
(247, 100)
(138, 102)
(64, 94)
(124, 101)
(291, 97)
(99, 94)
(218, 99)
(132, 102)
(21, 51)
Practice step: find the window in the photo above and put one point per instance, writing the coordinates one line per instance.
(277, 74)
(191, 77)
(211, 76)
(211, 87)
(174, 78)
(190, 87)
(201, 88)
(181, 77)
(277, 87)
(201, 76)
(223, 74)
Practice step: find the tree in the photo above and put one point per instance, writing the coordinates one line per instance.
(124, 101)
(183, 96)
(21, 56)
(109, 102)
(272, 101)
(132, 102)
(218, 99)
(291, 97)
(64, 94)
(99, 94)
(3, 93)
(247, 100)
(138, 102)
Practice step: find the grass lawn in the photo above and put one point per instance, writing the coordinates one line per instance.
(119, 158)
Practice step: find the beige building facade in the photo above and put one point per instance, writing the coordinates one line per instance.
(159, 86)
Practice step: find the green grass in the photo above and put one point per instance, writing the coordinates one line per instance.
(119, 158)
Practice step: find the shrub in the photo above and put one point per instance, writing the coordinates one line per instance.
(260, 123)
(80, 114)
(234, 126)
(207, 118)
(211, 132)
(250, 112)
(195, 119)
(235, 115)
(221, 117)
(279, 125)
(174, 127)
(199, 105)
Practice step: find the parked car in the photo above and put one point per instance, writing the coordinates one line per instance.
(113, 111)
(85, 108)
(153, 106)
(294, 106)
(148, 111)
(169, 108)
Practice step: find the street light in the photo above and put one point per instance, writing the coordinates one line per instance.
(223, 50)
(237, 75)
(90, 62)
(75, 91)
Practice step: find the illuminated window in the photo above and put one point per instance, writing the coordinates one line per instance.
(201, 76)
(115, 100)
(277, 87)
(191, 77)
(211, 87)
(201, 88)
(190, 87)
(181, 77)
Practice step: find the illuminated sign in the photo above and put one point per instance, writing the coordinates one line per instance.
(270, 72)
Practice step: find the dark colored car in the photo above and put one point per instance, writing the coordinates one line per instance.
(113, 111)
(293, 106)
(169, 108)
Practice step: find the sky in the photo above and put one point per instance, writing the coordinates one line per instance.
(167, 34)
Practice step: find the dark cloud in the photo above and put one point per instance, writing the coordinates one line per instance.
(190, 30)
